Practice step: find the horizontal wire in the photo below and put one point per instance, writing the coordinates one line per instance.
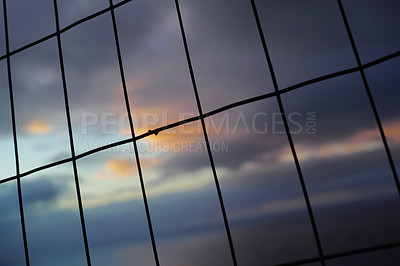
(208, 114)
(343, 254)
(67, 28)
(37, 169)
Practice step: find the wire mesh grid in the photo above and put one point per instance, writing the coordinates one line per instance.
(276, 94)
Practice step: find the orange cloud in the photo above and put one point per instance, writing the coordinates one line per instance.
(176, 139)
(38, 127)
(392, 131)
(123, 168)
(363, 141)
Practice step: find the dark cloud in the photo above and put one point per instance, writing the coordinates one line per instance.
(90, 49)
(305, 40)
(89, 52)
(237, 136)
(367, 169)
(9, 199)
(341, 107)
(372, 27)
(48, 228)
(192, 217)
(29, 21)
(226, 51)
(383, 80)
(289, 237)
(336, 104)
(37, 85)
(42, 191)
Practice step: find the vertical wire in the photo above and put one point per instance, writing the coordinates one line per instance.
(14, 128)
(288, 134)
(71, 138)
(132, 129)
(370, 97)
(218, 188)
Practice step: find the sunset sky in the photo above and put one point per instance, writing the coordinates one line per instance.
(344, 163)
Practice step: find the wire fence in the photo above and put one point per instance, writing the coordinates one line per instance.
(276, 94)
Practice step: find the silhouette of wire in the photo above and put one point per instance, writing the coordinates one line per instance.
(133, 139)
(203, 125)
(71, 138)
(14, 129)
(370, 97)
(289, 136)
(131, 126)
